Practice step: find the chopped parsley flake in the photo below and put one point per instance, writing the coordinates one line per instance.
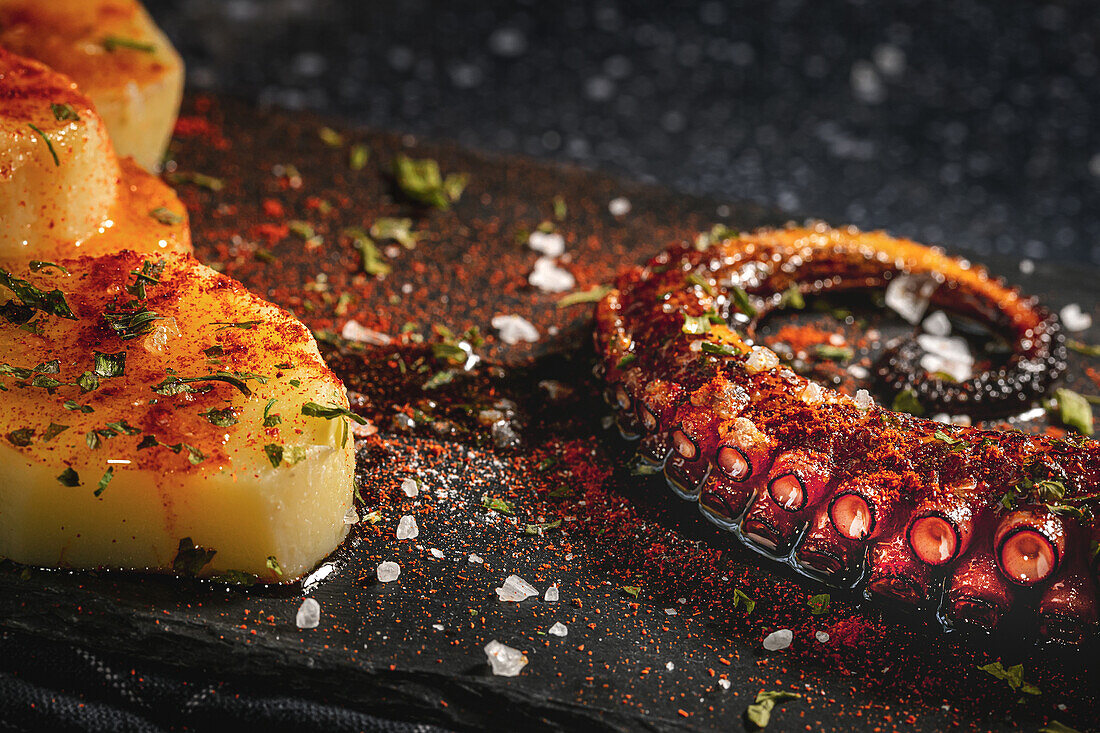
(358, 156)
(221, 418)
(242, 325)
(190, 558)
(592, 295)
(49, 144)
(129, 322)
(52, 302)
(64, 112)
(398, 230)
(372, 261)
(37, 265)
(112, 43)
(312, 409)
(166, 216)
(69, 477)
(422, 181)
(104, 480)
(271, 419)
(109, 365)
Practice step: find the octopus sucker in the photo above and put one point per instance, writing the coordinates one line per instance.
(974, 524)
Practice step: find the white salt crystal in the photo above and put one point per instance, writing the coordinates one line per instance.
(551, 595)
(410, 487)
(514, 329)
(949, 354)
(761, 359)
(942, 417)
(619, 206)
(407, 529)
(908, 296)
(437, 554)
(309, 614)
(858, 372)
(812, 393)
(822, 637)
(558, 629)
(437, 627)
(777, 640)
(549, 277)
(937, 324)
(515, 589)
(388, 571)
(354, 331)
(351, 516)
(1075, 319)
(724, 683)
(505, 661)
(863, 399)
(670, 611)
(475, 558)
(551, 245)
(670, 666)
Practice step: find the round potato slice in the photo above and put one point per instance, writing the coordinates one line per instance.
(117, 55)
(62, 190)
(158, 416)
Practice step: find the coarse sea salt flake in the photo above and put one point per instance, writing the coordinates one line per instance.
(761, 359)
(670, 666)
(505, 661)
(407, 528)
(724, 683)
(937, 324)
(309, 614)
(619, 206)
(550, 244)
(1074, 319)
(552, 594)
(670, 611)
(558, 629)
(863, 399)
(410, 487)
(355, 331)
(388, 571)
(475, 558)
(822, 636)
(436, 553)
(513, 329)
(351, 516)
(549, 277)
(778, 640)
(515, 589)
(437, 627)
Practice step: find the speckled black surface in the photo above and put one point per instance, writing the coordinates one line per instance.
(411, 650)
(967, 123)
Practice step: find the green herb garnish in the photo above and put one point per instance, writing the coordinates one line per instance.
(221, 418)
(906, 401)
(49, 144)
(312, 409)
(1074, 410)
(271, 420)
(422, 181)
(37, 265)
(166, 216)
(190, 558)
(129, 322)
(1013, 675)
(69, 477)
(112, 43)
(52, 302)
(53, 430)
(720, 349)
(833, 353)
(398, 230)
(497, 505)
(358, 157)
(372, 261)
(64, 112)
(330, 137)
(242, 325)
(760, 712)
(741, 300)
(104, 480)
(819, 604)
(592, 295)
(742, 600)
(109, 365)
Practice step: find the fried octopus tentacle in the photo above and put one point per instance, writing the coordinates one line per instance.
(830, 483)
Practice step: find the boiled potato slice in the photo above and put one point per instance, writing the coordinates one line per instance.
(62, 190)
(117, 55)
(155, 412)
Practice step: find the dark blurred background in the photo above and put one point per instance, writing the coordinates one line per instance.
(961, 123)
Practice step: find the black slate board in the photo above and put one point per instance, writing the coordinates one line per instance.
(376, 648)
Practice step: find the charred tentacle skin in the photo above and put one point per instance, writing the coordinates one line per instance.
(997, 522)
